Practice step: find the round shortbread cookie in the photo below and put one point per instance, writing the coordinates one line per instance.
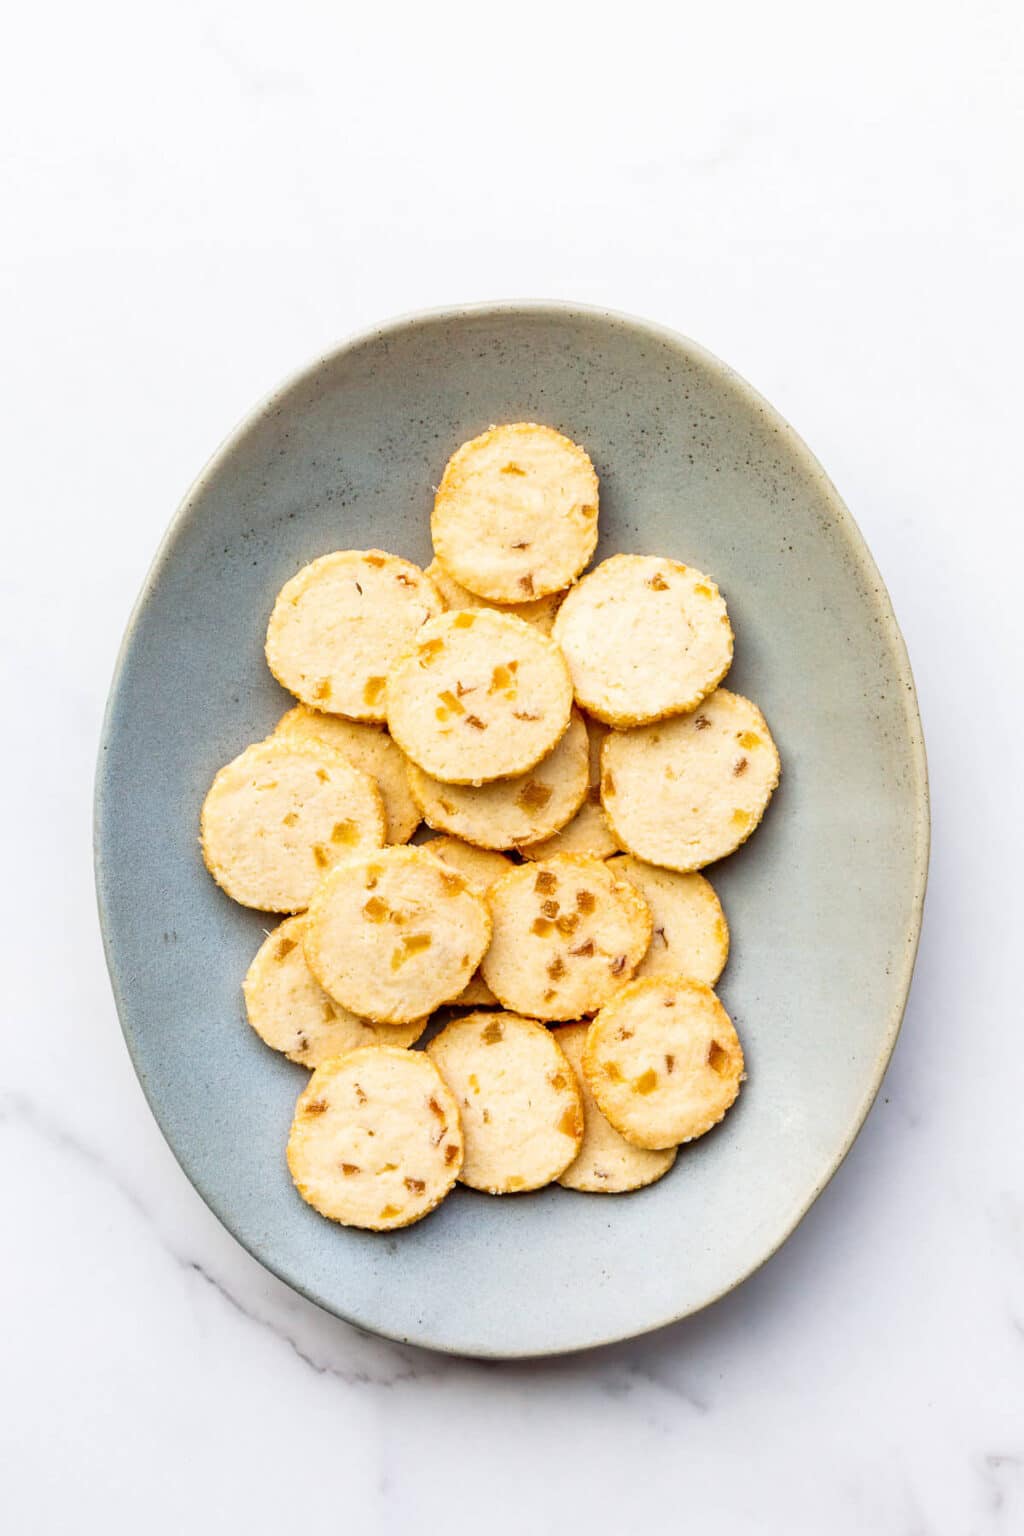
(280, 815)
(515, 515)
(606, 1164)
(475, 994)
(663, 1061)
(368, 747)
(292, 1013)
(376, 1140)
(339, 625)
(395, 935)
(644, 637)
(691, 936)
(508, 812)
(480, 696)
(588, 831)
(540, 612)
(481, 868)
(520, 1106)
(686, 791)
(567, 933)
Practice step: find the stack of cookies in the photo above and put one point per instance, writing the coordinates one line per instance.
(566, 736)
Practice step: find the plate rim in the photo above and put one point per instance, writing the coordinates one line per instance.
(868, 569)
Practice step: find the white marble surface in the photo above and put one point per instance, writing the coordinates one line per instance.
(199, 197)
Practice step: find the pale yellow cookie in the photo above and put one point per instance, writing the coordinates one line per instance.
(606, 1164)
(475, 994)
(339, 625)
(395, 935)
(508, 812)
(567, 933)
(691, 936)
(376, 1140)
(280, 815)
(686, 791)
(480, 696)
(588, 831)
(644, 637)
(540, 613)
(663, 1061)
(515, 515)
(292, 1013)
(368, 747)
(518, 1100)
(481, 868)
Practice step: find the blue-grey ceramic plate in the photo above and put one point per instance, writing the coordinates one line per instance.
(824, 902)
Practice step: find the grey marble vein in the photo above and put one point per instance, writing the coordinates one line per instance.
(999, 1471)
(18, 1110)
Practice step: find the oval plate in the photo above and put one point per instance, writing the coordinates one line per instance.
(824, 902)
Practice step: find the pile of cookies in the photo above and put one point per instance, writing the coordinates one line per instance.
(567, 738)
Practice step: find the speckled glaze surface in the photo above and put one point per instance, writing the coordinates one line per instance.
(824, 903)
